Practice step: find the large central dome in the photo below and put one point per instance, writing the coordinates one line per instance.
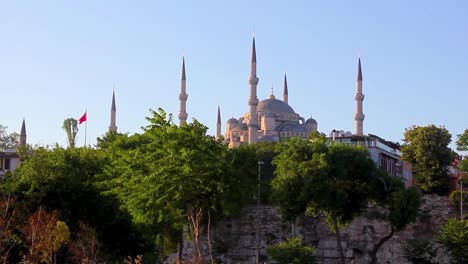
(273, 105)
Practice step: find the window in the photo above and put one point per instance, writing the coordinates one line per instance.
(6, 164)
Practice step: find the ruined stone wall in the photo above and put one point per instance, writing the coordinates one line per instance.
(235, 240)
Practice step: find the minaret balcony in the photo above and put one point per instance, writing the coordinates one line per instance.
(253, 101)
(253, 80)
(359, 97)
(183, 97)
(359, 117)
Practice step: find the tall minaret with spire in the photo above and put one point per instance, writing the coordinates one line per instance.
(22, 138)
(359, 117)
(285, 89)
(253, 100)
(218, 124)
(183, 97)
(112, 126)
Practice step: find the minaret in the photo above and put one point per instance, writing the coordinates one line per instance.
(285, 89)
(359, 117)
(112, 126)
(22, 138)
(253, 100)
(218, 124)
(183, 97)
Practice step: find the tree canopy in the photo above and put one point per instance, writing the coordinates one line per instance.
(70, 125)
(334, 180)
(426, 148)
(8, 140)
(170, 176)
(64, 180)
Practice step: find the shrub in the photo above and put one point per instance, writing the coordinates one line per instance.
(292, 252)
(454, 238)
(419, 251)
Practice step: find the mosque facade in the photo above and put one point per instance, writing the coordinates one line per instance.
(268, 120)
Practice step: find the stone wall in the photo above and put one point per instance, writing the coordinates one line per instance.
(235, 240)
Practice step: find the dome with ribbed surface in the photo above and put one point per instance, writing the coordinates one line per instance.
(240, 127)
(272, 105)
(233, 121)
(311, 121)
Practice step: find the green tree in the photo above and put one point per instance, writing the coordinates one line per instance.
(333, 180)
(292, 252)
(400, 206)
(170, 177)
(70, 125)
(8, 140)
(454, 238)
(426, 148)
(66, 180)
(462, 141)
(462, 145)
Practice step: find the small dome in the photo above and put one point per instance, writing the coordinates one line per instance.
(311, 121)
(292, 127)
(273, 105)
(269, 115)
(232, 121)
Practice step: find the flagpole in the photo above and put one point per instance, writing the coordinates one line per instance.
(86, 128)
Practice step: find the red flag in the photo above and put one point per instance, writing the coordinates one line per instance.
(82, 119)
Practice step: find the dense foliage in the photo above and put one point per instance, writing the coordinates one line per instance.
(333, 180)
(133, 194)
(7, 140)
(420, 251)
(454, 238)
(339, 181)
(292, 252)
(426, 148)
(64, 180)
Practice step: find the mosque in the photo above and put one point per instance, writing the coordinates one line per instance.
(270, 119)
(265, 121)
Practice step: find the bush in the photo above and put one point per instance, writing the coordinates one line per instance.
(419, 251)
(454, 238)
(455, 199)
(292, 252)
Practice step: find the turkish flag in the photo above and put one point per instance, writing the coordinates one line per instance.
(82, 119)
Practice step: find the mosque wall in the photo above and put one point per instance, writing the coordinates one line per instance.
(235, 240)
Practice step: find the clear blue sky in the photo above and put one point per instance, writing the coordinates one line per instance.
(58, 58)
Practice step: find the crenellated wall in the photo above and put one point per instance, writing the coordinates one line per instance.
(235, 240)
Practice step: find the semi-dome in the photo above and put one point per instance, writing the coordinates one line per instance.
(272, 105)
(233, 121)
(240, 127)
(292, 127)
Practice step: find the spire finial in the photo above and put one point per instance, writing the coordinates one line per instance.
(218, 121)
(183, 68)
(272, 95)
(359, 72)
(113, 108)
(22, 139)
(254, 52)
(113, 126)
(285, 89)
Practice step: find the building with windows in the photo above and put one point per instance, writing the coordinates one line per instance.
(385, 154)
(9, 158)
